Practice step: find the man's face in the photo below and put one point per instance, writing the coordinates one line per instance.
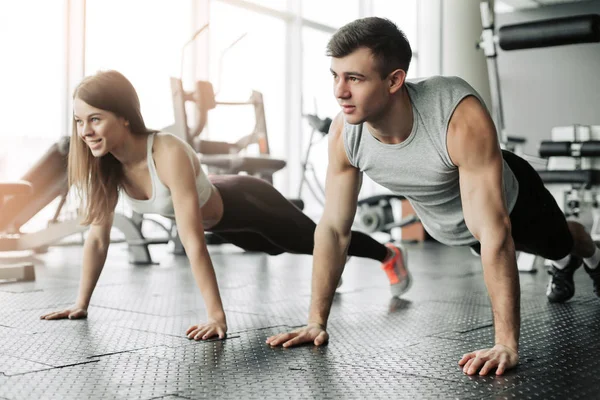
(358, 86)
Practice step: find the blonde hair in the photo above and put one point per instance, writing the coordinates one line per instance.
(98, 180)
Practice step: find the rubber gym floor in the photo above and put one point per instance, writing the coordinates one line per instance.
(132, 346)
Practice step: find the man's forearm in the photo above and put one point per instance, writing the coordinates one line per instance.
(328, 265)
(502, 281)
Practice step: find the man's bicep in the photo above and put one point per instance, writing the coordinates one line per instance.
(483, 199)
(474, 149)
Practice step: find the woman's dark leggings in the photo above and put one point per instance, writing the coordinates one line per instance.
(257, 217)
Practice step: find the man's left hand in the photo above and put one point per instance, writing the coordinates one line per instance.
(499, 357)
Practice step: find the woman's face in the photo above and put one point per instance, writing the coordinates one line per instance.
(101, 130)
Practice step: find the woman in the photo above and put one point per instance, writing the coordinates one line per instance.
(112, 151)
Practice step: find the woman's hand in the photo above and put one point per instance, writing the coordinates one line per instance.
(74, 312)
(209, 330)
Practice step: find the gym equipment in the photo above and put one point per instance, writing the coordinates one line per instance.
(573, 174)
(320, 126)
(380, 213)
(48, 181)
(573, 178)
(221, 157)
(44, 182)
(529, 35)
(20, 271)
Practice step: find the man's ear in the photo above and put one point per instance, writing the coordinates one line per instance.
(396, 80)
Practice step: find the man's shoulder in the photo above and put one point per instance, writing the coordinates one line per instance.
(436, 82)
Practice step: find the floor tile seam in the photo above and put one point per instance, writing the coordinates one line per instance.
(345, 363)
(137, 312)
(54, 367)
(35, 308)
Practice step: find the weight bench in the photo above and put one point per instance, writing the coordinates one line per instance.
(573, 178)
(223, 157)
(530, 35)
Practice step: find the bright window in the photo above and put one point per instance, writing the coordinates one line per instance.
(32, 78)
(247, 52)
(317, 98)
(335, 13)
(280, 5)
(404, 14)
(142, 40)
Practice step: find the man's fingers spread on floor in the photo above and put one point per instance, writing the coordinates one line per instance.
(467, 365)
(465, 358)
(475, 366)
(274, 338)
(488, 366)
(297, 340)
(501, 368)
(281, 338)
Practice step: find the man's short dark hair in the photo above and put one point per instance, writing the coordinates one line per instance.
(387, 43)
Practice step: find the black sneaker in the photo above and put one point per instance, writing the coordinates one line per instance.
(595, 275)
(561, 286)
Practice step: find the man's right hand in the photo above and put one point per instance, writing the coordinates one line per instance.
(75, 312)
(310, 333)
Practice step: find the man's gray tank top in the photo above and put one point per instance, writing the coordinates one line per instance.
(420, 168)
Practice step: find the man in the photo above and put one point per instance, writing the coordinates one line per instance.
(434, 142)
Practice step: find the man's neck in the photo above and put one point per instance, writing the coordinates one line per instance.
(395, 123)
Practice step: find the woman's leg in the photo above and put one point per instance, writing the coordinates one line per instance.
(251, 241)
(253, 205)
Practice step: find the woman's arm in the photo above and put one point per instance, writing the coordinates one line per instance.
(95, 249)
(176, 169)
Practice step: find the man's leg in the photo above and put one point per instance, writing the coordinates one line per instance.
(539, 227)
(585, 248)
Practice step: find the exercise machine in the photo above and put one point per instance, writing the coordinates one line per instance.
(537, 34)
(15, 271)
(45, 182)
(319, 128)
(573, 173)
(522, 36)
(223, 157)
(573, 178)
